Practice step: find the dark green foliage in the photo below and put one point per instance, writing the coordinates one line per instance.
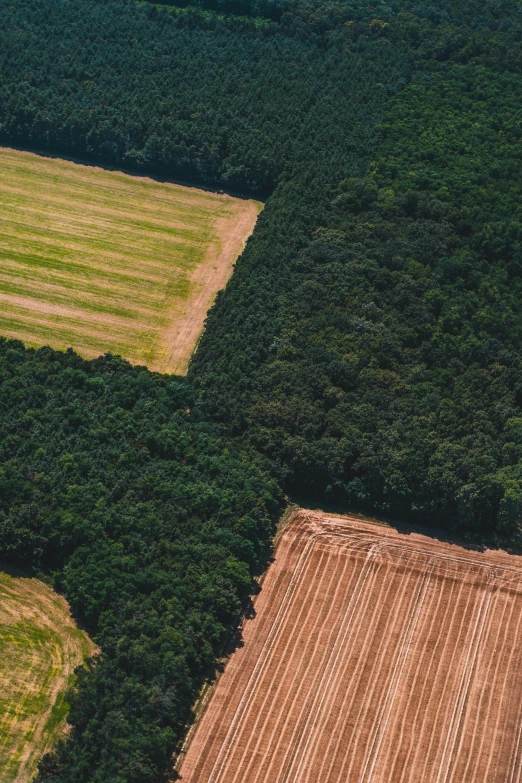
(368, 343)
(392, 383)
(151, 526)
(390, 379)
(183, 93)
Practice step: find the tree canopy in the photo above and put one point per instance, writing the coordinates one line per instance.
(366, 351)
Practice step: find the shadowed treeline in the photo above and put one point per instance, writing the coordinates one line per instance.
(364, 352)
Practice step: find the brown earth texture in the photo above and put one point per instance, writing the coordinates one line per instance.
(373, 656)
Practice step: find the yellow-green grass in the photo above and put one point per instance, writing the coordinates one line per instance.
(103, 261)
(40, 646)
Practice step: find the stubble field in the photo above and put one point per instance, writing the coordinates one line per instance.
(374, 656)
(102, 261)
(40, 646)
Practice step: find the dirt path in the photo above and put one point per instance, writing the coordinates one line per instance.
(374, 657)
(186, 327)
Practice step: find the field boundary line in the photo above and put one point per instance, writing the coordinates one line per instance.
(336, 650)
(283, 664)
(396, 676)
(459, 705)
(292, 690)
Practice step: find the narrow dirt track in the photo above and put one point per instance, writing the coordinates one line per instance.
(374, 657)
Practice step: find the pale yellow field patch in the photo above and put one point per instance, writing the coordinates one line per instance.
(103, 261)
(40, 646)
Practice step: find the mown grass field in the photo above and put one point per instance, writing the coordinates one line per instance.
(40, 646)
(102, 261)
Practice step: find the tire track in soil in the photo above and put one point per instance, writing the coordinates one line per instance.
(381, 722)
(413, 702)
(354, 606)
(261, 663)
(356, 670)
(372, 630)
(447, 668)
(287, 708)
(299, 629)
(485, 697)
(288, 647)
(463, 689)
(377, 678)
(376, 675)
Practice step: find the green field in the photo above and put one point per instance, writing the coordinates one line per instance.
(40, 647)
(102, 261)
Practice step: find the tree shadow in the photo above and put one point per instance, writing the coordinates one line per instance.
(191, 180)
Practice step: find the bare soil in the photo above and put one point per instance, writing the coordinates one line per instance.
(374, 656)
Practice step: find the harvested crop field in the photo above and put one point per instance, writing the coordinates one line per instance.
(102, 261)
(40, 646)
(374, 656)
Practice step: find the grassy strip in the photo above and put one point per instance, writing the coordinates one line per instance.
(104, 262)
(39, 649)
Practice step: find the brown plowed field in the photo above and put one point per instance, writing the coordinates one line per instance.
(374, 656)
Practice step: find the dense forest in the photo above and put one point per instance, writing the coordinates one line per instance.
(152, 526)
(395, 380)
(366, 351)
